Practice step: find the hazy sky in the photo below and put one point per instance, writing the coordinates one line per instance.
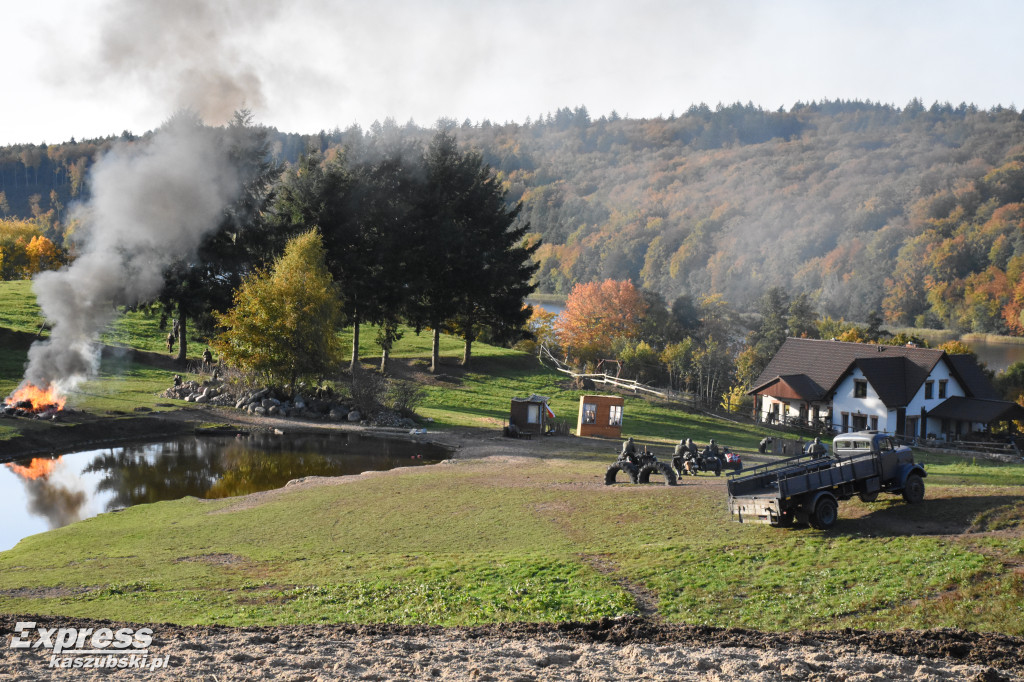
(91, 68)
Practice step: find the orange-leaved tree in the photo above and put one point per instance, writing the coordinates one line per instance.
(596, 314)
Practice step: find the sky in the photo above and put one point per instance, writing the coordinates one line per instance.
(94, 68)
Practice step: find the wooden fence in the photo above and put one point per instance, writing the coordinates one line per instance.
(627, 385)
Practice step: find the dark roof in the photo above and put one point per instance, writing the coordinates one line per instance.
(972, 377)
(798, 385)
(977, 410)
(890, 376)
(826, 362)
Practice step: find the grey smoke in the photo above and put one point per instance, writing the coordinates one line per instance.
(151, 205)
(188, 53)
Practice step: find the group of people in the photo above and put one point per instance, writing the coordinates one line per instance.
(686, 458)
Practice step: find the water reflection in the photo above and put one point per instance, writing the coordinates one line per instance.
(46, 493)
(58, 503)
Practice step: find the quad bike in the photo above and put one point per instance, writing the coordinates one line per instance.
(638, 467)
(732, 460)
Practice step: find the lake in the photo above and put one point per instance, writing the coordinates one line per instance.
(49, 492)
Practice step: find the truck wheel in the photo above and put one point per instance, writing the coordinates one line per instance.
(913, 489)
(624, 467)
(657, 468)
(825, 514)
(868, 497)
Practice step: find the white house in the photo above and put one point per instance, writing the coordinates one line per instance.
(906, 390)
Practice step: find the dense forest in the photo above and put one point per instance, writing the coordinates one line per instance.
(915, 212)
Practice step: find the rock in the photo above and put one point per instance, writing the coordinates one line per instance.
(273, 410)
(203, 398)
(260, 410)
(354, 416)
(337, 413)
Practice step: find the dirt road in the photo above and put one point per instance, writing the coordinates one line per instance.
(614, 649)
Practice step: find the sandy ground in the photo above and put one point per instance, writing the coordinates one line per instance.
(616, 649)
(632, 648)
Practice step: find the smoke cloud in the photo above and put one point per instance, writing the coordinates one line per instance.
(152, 203)
(188, 53)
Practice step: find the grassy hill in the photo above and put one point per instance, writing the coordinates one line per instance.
(531, 534)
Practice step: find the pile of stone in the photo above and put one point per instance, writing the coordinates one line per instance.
(320, 405)
(205, 393)
(264, 402)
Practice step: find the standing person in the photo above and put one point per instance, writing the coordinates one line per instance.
(678, 456)
(815, 449)
(170, 343)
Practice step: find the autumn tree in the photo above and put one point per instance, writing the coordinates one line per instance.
(597, 313)
(284, 322)
(42, 255)
(539, 331)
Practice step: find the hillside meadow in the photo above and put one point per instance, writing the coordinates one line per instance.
(512, 531)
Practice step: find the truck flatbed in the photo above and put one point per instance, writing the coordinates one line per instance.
(806, 489)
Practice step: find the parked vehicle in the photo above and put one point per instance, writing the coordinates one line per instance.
(805, 490)
(639, 467)
(731, 459)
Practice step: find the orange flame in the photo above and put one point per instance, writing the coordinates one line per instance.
(37, 468)
(39, 397)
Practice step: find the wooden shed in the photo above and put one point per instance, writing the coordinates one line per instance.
(600, 415)
(530, 415)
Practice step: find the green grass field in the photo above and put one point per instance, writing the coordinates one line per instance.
(538, 538)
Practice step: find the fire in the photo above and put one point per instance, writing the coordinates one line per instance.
(38, 398)
(37, 468)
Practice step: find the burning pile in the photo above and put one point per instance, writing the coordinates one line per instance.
(32, 400)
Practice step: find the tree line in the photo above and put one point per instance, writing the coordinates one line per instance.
(838, 200)
(409, 234)
(703, 346)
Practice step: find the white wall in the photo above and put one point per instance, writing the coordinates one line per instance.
(869, 406)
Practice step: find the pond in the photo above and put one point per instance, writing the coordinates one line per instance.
(49, 492)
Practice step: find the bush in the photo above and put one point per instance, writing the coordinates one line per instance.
(403, 396)
(368, 390)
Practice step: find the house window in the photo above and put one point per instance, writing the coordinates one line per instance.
(928, 390)
(615, 415)
(942, 388)
(589, 413)
(533, 414)
(860, 422)
(846, 422)
(860, 388)
(874, 422)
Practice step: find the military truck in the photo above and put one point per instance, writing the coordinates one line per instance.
(807, 490)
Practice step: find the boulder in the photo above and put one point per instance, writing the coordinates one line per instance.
(354, 416)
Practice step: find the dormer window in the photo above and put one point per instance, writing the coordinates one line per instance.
(860, 388)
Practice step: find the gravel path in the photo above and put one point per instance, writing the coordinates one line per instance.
(613, 649)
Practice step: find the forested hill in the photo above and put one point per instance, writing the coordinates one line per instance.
(916, 211)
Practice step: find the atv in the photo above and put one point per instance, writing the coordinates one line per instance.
(638, 467)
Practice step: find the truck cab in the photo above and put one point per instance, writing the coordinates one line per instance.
(895, 461)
